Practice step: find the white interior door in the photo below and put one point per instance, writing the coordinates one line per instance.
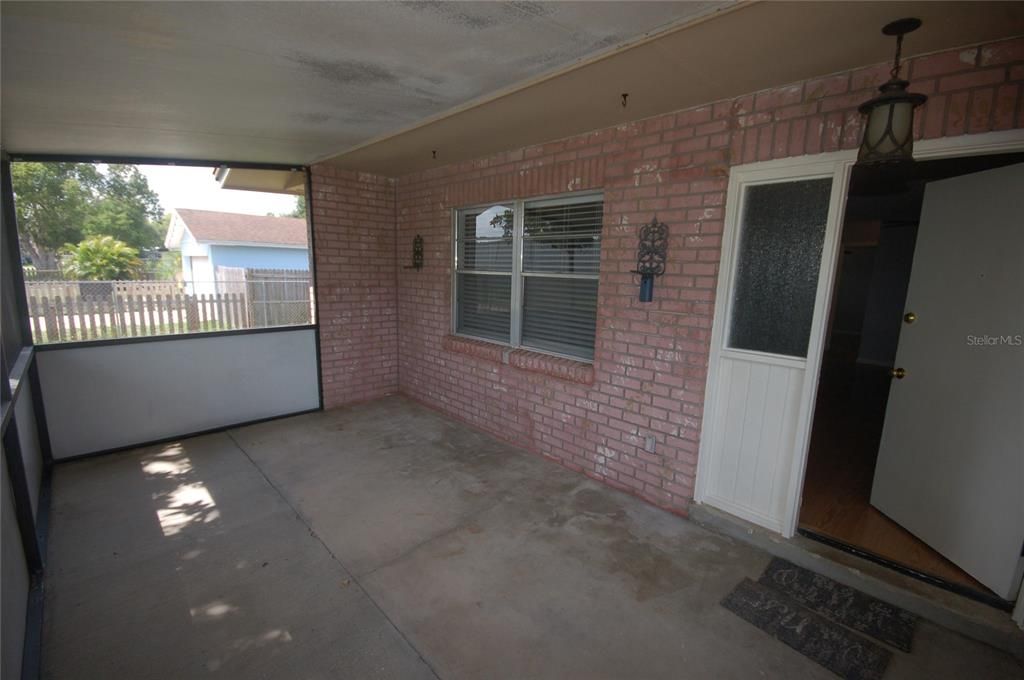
(951, 462)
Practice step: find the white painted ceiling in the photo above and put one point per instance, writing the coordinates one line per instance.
(285, 82)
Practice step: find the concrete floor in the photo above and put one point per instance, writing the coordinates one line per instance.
(385, 541)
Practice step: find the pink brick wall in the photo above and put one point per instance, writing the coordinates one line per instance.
(354, 232)
(651, 359)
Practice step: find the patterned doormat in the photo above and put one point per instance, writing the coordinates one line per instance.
(817, 617)
(852, 608)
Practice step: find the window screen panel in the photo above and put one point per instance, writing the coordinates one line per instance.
(484, 305)
(563, 237)
(782, 232)
(485, 239)
(560, 315)
(11, 327)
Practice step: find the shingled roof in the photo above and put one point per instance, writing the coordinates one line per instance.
(221, 227)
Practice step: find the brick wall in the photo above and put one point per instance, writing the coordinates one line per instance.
(651, 359)
(354, 231)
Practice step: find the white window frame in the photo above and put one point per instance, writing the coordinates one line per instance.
(517, 275)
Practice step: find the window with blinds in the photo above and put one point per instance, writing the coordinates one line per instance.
(526, 273)
(483, 279)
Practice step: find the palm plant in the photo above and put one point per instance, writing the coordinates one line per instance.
(101, 258)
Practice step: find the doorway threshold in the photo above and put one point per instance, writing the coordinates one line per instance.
(952, 610)
(964, 591)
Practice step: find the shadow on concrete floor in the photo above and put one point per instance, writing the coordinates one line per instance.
(383, 540)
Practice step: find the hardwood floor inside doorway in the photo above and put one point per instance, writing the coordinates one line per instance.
(840, 470)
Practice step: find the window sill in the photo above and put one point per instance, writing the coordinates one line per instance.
(526, 360)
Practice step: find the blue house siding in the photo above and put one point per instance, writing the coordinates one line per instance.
(256, 257)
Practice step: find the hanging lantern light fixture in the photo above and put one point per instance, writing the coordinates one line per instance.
(889, 128)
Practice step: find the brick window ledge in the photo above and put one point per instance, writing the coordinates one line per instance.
(523, 359)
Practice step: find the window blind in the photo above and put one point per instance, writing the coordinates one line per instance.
(560, 315)
(561, 258)
(527, 273)
(484, 300)
(485, 239)
(485, 305)
(563, 239)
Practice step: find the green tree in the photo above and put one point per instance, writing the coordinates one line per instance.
(127, 209)
(100, 258)
(300, 207)
(123, 221)
(52, 203)
(61, 203)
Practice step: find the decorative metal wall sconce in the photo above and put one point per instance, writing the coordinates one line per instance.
(889, 128)
(650, 256)
(417, 253)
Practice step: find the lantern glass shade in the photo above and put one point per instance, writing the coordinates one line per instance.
(889, 128)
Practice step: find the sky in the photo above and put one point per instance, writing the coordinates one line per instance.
(185, 187)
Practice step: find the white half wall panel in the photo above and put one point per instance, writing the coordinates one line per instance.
(118, 395)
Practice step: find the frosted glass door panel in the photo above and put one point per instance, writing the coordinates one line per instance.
(782, 230)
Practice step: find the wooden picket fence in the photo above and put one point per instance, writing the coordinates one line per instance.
(63, 311)
(60, 319)
(67, 290)
(278, 296)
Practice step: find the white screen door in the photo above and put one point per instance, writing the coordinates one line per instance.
(951, 462)
(781, 224)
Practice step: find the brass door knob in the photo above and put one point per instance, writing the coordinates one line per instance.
(909, 317)
(898, 373)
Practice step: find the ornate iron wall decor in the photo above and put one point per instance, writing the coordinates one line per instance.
(417, 253)
(650, 256)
